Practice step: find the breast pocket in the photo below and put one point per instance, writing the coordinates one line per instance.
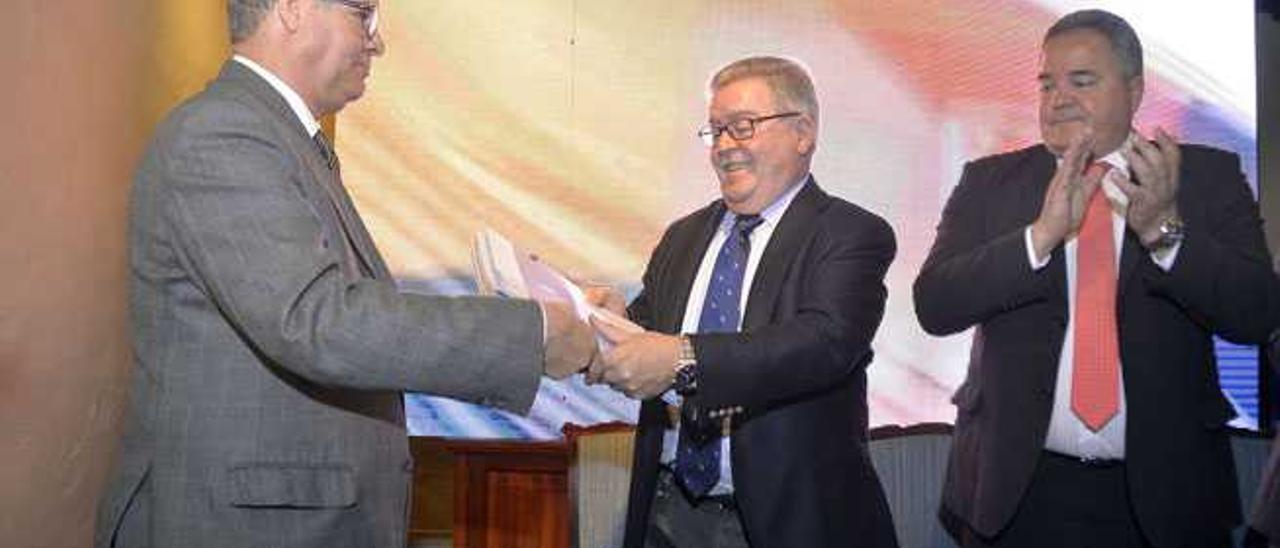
(288, 485)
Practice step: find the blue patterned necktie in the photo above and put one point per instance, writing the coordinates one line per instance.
(698, 452)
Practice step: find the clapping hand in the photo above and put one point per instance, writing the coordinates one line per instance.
(1067, 197)
(1153, 198)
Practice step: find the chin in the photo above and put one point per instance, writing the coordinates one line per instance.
(1059, 136)
(736, 187)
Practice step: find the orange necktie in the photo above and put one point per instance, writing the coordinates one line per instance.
(1095, 381)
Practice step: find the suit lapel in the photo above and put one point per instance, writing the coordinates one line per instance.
(685, 266)
(793, 230)
(1131, 254)
(1130, 251)
(335, 194)
(354, 228)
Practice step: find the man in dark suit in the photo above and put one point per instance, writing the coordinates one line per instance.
(1265, 517)
(271, 342)
(1096, 269)
(759, 436)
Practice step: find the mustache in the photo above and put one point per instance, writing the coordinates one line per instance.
(733, 157)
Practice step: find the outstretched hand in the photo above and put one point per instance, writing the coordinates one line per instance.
(570, 343)
(640, 365)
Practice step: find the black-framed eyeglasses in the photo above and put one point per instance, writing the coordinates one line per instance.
(368, 14)
(741, 129)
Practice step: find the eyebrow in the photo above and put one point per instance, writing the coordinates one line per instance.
(738, 115)
(1044, 76)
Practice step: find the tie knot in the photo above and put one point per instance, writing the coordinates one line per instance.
(1099, 168)
(744, 224)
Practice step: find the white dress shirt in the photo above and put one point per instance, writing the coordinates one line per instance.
(771, 215)
(291, 97)
(1067, 433)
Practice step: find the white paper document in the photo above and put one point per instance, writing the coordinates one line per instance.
(505, 270)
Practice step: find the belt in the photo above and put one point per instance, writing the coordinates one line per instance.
(1086, 462)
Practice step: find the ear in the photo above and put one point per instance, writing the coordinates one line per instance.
(807, 131)
(1135, 85)
(290, 13)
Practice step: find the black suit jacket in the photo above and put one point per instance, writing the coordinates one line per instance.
(1180, 471)
(795, 375)
(1265, 517)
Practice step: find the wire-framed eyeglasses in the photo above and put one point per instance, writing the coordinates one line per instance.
(368, 14)
(741, 129)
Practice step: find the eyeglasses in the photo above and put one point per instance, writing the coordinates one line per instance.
(741, 129)
(368, 14)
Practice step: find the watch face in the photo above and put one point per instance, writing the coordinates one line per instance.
(1170, 234)
(684, 379)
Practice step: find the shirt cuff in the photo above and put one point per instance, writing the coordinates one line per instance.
(1165, 257)
(1031, 252)
(543, 312)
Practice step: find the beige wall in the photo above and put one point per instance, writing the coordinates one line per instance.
(84, 82)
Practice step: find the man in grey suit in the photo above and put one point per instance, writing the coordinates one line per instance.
(271, 343)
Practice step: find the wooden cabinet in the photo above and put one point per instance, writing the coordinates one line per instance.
(504, 494)
(510, 494)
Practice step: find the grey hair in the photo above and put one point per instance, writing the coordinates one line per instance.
(244, 16)
(788, 79)
(1124, 41)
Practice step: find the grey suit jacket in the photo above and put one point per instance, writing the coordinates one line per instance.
(272, 345)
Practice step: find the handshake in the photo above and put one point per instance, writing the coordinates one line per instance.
(640, 364)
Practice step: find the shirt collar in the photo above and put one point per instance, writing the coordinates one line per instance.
(1116, 159)
(1119, 168)
(291, 97)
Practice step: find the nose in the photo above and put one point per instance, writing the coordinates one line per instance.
(1061, 96)
(376, 45)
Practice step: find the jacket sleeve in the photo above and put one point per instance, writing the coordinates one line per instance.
(974, 273)
(1223, 274)
(840, 302)
(237, 225)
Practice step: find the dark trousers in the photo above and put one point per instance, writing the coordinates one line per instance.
(678, 522)
(1075, 504)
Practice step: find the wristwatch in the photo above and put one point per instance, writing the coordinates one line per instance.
(1172, 231)
(686, 368)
